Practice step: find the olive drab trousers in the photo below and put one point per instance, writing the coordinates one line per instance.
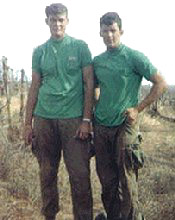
(51, 137)
(118, 158)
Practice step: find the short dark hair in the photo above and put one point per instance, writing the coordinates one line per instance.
(109, 18)
(55, 8)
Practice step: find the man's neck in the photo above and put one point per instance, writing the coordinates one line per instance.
(114, 48)
(58, 38)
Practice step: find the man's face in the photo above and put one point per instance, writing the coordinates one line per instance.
(57, 24)
(111, 35)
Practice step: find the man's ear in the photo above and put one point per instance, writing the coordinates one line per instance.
(100, 33)
(47, 20)
(67, 20)
(121, 32)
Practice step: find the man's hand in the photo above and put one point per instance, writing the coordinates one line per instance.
(132, 114)
(84, 130)
(28, 134)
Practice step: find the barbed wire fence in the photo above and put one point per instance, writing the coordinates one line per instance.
(13, 86)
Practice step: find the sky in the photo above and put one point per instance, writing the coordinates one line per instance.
(148, 27)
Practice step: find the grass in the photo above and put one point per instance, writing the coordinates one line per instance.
(19, 182)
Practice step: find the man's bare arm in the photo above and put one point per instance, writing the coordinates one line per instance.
(31, 102)
(159, 86)
(88, 80)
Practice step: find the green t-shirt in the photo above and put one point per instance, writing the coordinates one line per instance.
(119, 74)
(60, 64)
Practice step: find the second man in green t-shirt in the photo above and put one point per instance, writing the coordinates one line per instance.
(118, 73)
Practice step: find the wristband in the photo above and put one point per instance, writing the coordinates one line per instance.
(86, 120)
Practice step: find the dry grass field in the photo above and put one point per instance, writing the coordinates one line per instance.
(19, 183)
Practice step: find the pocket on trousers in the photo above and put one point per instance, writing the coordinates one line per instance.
(135, 155)
(138, 156)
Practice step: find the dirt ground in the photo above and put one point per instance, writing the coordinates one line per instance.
(19, 183)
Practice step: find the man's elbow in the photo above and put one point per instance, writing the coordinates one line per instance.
(164, 85)
(159, 80)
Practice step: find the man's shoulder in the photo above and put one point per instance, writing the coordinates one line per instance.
(133, 55)
(132, 52)
(41, 47)
(100, 57)
(74, 41)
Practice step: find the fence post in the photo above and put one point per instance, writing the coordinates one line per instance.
(21, 112)
(8, 98)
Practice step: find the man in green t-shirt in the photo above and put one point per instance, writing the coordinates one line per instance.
(118, 73)
(60, 101)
